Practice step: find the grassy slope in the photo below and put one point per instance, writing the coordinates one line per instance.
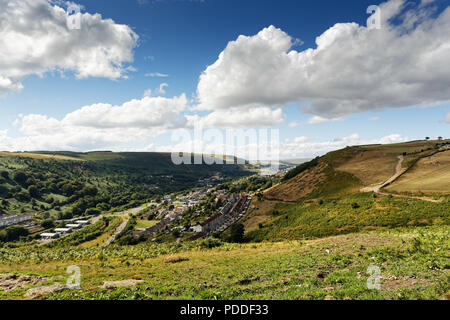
(306, 217)
(428, 175)
(38, 156)
(337, 216)
(344, 171)
(414, 265)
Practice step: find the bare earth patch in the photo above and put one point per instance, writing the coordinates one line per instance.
(394, 283)
(15, 281)
(174, 259)
(42, 291)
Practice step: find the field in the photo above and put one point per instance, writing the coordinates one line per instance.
(413, 264)
(429, 175)
(346, 171)
(371, 167)
(144, 224)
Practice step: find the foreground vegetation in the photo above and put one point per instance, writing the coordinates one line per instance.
(358, 212)
(414, 264)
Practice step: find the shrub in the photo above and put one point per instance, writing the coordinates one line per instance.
(47, 224)
(355, 205)
(13, 233)
(237, 232)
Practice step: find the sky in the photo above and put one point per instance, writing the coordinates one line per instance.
(147, 75)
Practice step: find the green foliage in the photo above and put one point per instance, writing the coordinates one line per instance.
(47, 224)
(348, 214)
(104, 181)
(20, 177)
(13, 233)
(301, 168)
(237, 233)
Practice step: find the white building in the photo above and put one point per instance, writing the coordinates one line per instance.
(73, 225)
(83, 222)
(63, 230)
(49, 235)
(198, 228)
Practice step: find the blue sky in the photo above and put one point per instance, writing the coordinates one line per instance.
(180, 39)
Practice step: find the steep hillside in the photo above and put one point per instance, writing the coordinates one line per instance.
(347, 170)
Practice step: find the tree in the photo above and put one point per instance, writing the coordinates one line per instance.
(427, 138)
(13, 233)
(47, 224)
(20, 177)
(4, 174)
(92, 212)
(34, 191)
(237, 232)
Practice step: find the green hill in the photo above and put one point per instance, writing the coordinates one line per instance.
(64, 184)
(356, 189)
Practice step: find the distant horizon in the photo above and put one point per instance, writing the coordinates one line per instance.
(218, 155)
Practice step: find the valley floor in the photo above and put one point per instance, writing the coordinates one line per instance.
(413, 264)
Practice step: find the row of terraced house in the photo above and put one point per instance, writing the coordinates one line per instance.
(235, 208)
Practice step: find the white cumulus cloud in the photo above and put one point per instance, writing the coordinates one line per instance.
(35, 39)
(98, 126)
(353, 68)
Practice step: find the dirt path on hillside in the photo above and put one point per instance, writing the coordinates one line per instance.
(398, 172)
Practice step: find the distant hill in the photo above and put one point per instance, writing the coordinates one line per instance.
(69, 183)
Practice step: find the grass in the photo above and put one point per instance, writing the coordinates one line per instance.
(413, 262)
(259, 214)
(144, 224)
(107, 232)
(429, 175)
(340, 215)
(38, 156)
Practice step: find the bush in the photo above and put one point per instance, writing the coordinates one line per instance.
(237, 232)
(20, 177)
(210, 243)
(355, 205)
(92, 212)
(13, 233)
(4, 174)
(47, 224)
